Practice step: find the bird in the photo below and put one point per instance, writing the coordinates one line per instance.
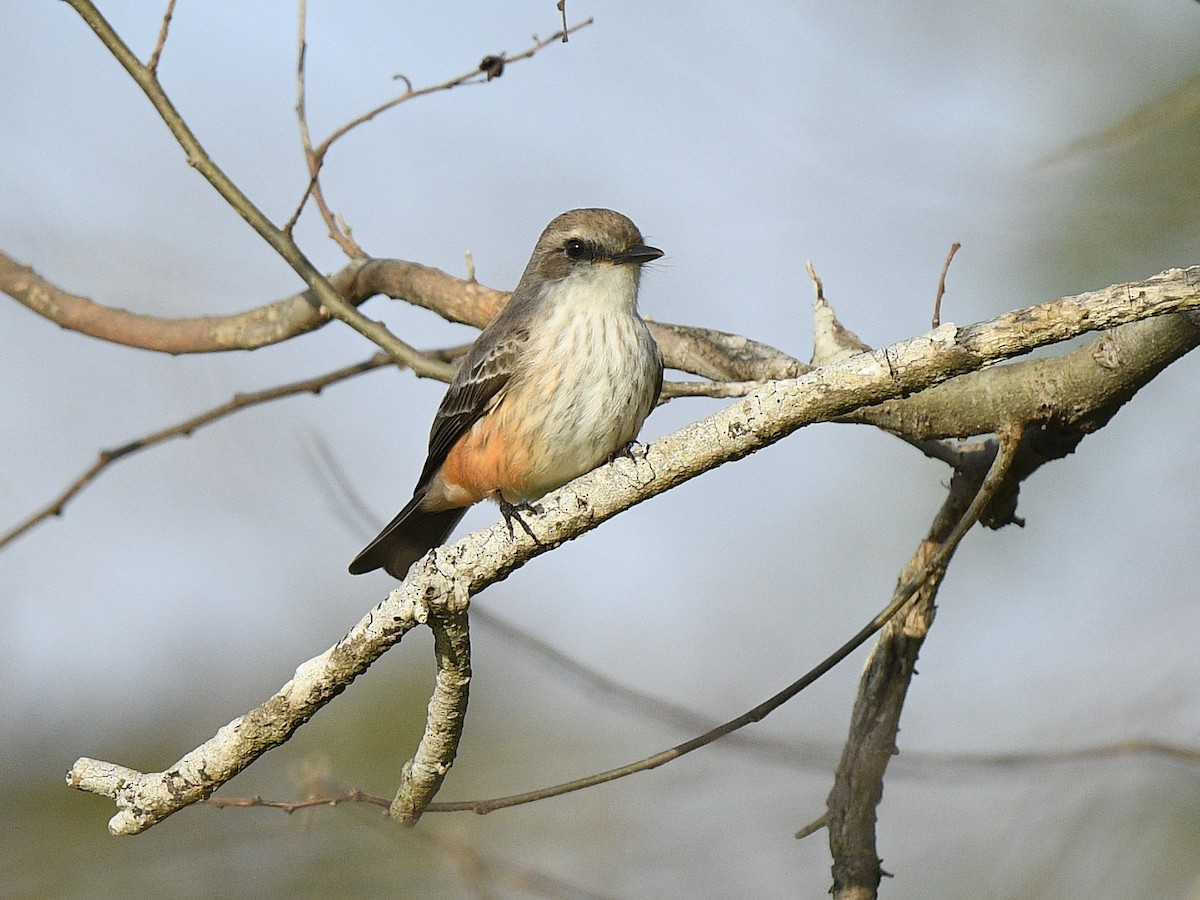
(557, 383)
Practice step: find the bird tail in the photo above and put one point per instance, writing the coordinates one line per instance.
(408, 537)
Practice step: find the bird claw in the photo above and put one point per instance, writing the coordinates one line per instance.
(512, 511)
(629, 449)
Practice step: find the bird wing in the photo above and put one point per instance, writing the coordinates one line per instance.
(478, 386)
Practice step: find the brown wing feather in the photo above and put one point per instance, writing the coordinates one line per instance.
(483, 374)
(485, 371)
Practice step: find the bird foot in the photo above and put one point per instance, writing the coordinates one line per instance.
(512, 512)
(629, 451)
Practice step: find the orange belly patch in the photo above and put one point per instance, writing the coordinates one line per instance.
(482, 464)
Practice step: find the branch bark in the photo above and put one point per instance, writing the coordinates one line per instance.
(699, 351)
(423, 775)
(875, 719)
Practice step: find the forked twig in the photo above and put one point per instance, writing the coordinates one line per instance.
(281, 242)
(490, 68)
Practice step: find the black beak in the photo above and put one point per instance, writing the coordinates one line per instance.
(639, 254)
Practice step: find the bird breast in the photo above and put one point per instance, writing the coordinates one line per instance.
(587, 381)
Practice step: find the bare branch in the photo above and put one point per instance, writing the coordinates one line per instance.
(757, 714)
(1132, 747)
(810, 756)
(184, 429)
(490, 68)
(144, 800)
(354, 795)
(1071, 395)
(422, 776)
(720, 389)
(328, 300)
(936, 763)
(831, 339)
(452, 574)
(718, 355)
(875, 720)
(338, 230)
(941, 288)
(481, 74)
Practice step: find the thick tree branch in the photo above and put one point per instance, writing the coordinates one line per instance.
(1080, 390)
(875, 720)
(699, 351)
(422, 776)
(452, 574)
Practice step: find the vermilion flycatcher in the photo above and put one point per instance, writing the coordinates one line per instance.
(559, 382)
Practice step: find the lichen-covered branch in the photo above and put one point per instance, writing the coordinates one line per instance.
(422, 775)
(452, 574)
(144, 800)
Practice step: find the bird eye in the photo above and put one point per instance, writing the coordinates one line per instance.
(575, 249)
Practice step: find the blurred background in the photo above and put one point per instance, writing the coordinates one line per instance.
(1057, 143)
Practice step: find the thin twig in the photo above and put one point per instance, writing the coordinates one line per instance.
(301, 111)
(941, 288)
(812, 827)
(475, 76)
(1025, 758)
(183, 429)
(935, 761)
(152, 63)
(314, 385)
(719, 389)
(338, 231)
(818, 284)
(481, 74)
(757, 714)
(290, 806)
